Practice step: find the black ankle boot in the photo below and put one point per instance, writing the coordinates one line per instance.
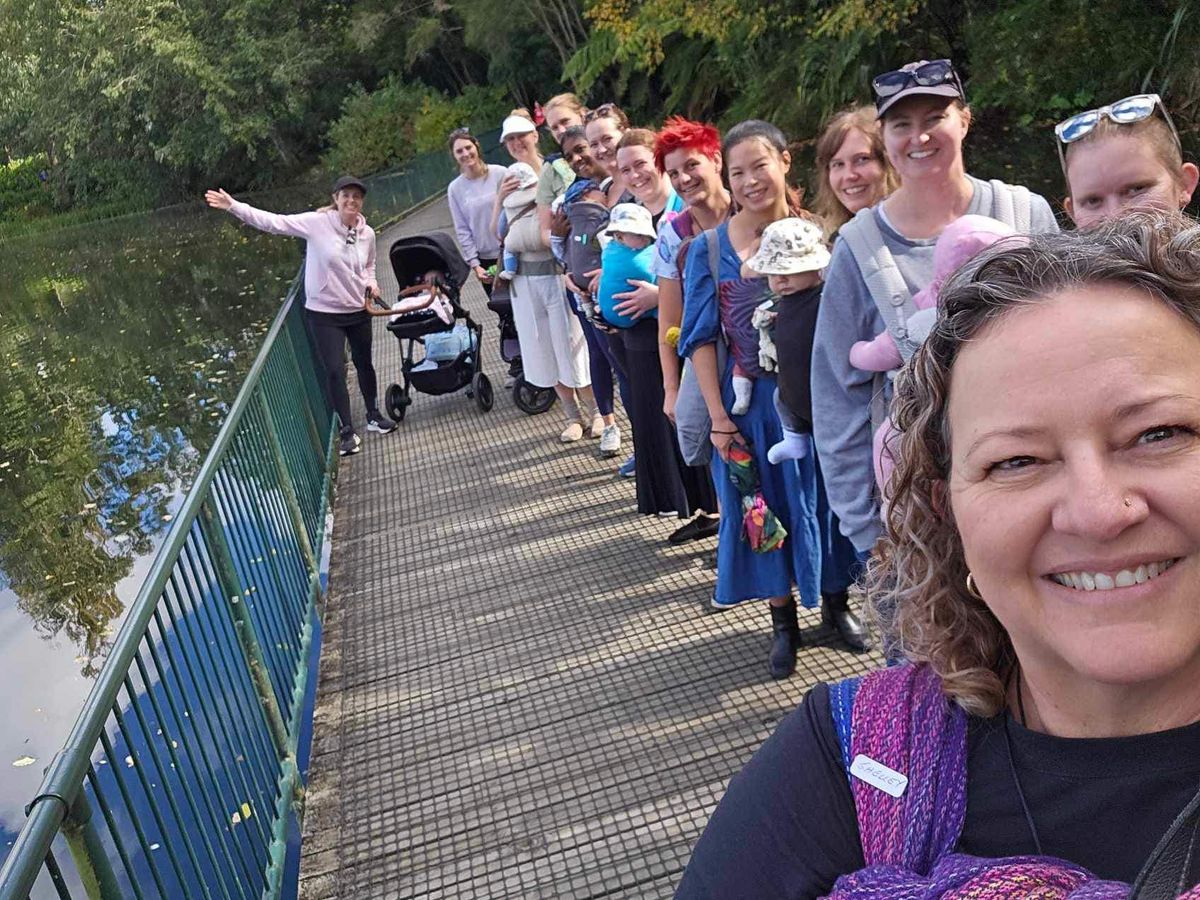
(836, 613)
(787, 640)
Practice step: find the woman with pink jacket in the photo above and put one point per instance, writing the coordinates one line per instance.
(339, 273)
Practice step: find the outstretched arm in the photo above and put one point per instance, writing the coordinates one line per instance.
(300, 225)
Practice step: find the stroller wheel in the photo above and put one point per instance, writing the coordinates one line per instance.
(482, 387)
(530, 399)
(396, 402)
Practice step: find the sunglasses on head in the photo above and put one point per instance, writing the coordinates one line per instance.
(460, 132)
(603, 111)
(1123, 112)
(930, 74)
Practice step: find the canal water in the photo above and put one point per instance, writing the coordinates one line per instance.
(122, 345)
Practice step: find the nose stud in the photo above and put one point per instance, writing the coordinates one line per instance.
(1128, 502)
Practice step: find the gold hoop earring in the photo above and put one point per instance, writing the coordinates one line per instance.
(972, 589)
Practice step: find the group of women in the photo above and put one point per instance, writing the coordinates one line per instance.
(1034, 569)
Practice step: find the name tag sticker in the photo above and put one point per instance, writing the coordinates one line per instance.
(878, 775)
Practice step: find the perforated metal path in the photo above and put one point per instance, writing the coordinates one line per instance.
(521, 693)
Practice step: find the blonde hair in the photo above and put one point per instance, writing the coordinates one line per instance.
(1152, 130)
(568, 100)
(861, 118)
(637, 137)
(917, 581)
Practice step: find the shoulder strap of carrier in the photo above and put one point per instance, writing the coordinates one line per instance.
(879, 270)
(900, 719)
(1013, 205)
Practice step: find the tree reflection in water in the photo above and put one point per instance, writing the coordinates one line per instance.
(121, 346)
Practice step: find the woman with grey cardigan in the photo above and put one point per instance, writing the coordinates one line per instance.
(925, 119)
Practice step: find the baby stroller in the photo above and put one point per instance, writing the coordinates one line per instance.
(412, 259)
(529, 398)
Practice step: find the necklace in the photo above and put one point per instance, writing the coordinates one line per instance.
(1012, 766)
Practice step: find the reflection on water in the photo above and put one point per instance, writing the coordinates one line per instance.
(121, 346)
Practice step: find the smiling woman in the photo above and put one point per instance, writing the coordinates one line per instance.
(924, 117)
(1040, 572)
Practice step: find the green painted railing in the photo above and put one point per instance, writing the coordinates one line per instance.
(180, 778)
(180, 774)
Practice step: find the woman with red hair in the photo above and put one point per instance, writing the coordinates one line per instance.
(689, 154)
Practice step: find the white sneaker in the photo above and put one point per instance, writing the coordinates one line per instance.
(506, 275)
(598, 426)
(610, 440)
(571, 433)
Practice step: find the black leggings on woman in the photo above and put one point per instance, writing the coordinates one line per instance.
(330, 333)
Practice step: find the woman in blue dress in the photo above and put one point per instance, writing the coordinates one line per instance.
(757, 162)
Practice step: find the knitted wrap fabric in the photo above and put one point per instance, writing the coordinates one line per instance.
(901, 718)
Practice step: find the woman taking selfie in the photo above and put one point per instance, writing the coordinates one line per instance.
(1039, 571)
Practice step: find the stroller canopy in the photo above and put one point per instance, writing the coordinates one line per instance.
(412, 257)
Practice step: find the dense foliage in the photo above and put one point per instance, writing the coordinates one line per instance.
(136, 102)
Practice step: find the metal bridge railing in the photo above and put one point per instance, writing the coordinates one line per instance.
(179, 778)
(180, 774)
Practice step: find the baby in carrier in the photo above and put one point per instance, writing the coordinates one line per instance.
(960, 240)
(628, 254)
(791, 254)
(517, 205)
(587, 213)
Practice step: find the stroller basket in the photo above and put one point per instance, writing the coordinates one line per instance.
(448, 377)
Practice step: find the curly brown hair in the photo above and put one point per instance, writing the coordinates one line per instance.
(917, 581)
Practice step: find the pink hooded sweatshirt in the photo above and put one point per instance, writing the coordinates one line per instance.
(337, 273)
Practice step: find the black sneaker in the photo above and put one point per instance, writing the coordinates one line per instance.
(350, 444)
(380, 423)
(697, 529)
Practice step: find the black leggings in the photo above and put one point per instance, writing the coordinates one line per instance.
(330, 332)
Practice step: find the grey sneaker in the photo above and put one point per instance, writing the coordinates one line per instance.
(380, 423)
(350, 444)
(610, 440)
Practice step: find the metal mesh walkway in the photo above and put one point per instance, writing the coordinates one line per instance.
(521, 693)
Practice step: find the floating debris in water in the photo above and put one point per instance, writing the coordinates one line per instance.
(23, 762)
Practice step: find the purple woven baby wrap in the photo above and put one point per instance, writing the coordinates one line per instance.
(899, 717)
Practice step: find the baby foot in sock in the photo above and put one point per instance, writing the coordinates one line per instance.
(793, 446)
(742, 389)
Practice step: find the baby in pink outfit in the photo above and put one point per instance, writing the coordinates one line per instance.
(960, 241)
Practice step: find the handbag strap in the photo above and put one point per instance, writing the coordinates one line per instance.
(1169, 870)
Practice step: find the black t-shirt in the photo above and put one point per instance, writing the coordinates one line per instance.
(795, 325)
(786, 826)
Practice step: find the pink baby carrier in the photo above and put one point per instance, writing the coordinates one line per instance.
(899, 720)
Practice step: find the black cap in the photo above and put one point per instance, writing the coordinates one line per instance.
(349, 181)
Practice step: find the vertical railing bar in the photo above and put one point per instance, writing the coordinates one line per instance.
(292, 561)
(309, 418)
(247, 702)
(298, 452)
(267, 626)
(261, 778)
(227, 546)
(56, 876)
(308, 460)
(139, 770)
(257, 498)
(216, 815)
(143, 842)
(272, 601)
(148, 787)
(256, 662)
(176, 765)
(285, 501)
(113, 832)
